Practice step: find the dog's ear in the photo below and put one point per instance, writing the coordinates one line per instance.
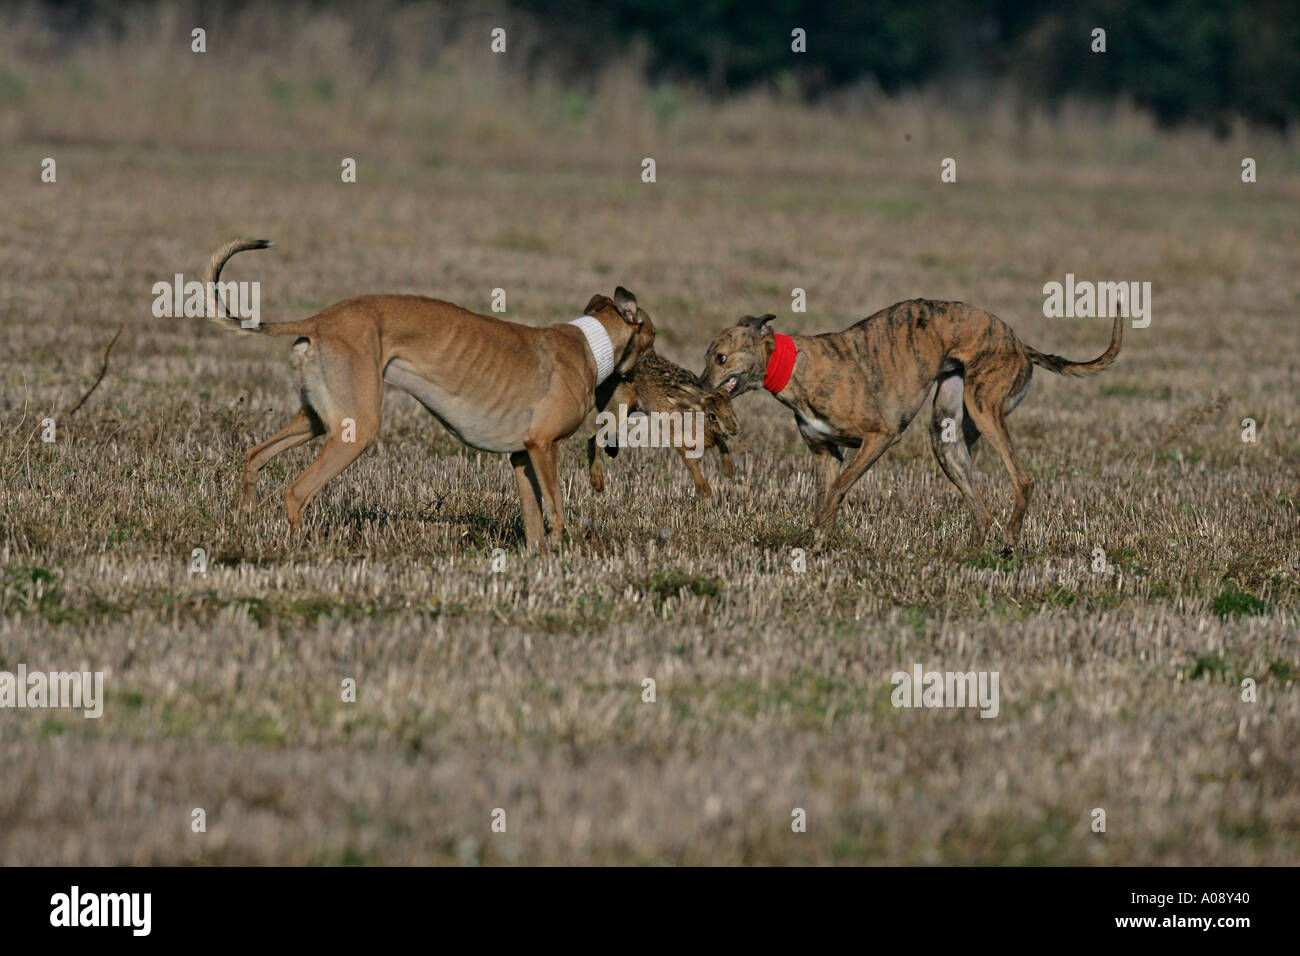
(757, 324)
(597, 303)
(625, 302)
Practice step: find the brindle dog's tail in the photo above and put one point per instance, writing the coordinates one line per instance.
(1062, 366)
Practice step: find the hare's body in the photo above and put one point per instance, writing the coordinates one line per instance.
(657, 385)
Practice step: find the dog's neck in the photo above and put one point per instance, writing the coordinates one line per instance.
(790, 393)
(605, 352)
(781, 355)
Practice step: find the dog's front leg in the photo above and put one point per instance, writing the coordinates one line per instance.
(873, 446)
(595, 474)
(542, 455)
(534, 531)
(828, 458)
(622, 395)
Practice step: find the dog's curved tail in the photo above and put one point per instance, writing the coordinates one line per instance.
(1063, 366)
(216, 308)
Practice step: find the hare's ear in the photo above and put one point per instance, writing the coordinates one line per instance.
(683, 397)
(758, 324)
(625, 302)
(713, 401)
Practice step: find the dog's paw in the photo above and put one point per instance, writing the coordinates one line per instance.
(818, 535)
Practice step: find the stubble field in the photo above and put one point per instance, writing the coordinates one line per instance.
(522, 689)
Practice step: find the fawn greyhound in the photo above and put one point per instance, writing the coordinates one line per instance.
(862, 387)
(497, 386)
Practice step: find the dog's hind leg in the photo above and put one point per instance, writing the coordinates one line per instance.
(302, 429)
(346, 392)
(954, 456)
(987, 399)
(335, 455)
(971, 433)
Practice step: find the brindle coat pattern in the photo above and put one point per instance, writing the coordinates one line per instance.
(862, 387)
(658, 385)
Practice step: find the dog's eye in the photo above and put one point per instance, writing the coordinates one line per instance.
(720, 359)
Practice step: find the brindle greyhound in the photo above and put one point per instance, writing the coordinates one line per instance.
(497, 386)
(862, 387)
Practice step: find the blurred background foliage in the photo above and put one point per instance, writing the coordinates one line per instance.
(1203, 62)
(1186, 60)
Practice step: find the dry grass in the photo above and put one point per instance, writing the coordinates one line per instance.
(522, 689)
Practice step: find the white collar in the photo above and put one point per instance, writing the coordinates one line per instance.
(602, 349)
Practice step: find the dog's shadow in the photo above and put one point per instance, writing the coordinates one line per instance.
(483, 529)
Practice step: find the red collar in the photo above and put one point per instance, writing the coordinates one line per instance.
(780, 365)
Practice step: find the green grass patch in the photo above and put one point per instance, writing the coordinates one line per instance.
(1234, 602)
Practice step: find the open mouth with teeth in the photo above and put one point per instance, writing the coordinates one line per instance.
(729, 383)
